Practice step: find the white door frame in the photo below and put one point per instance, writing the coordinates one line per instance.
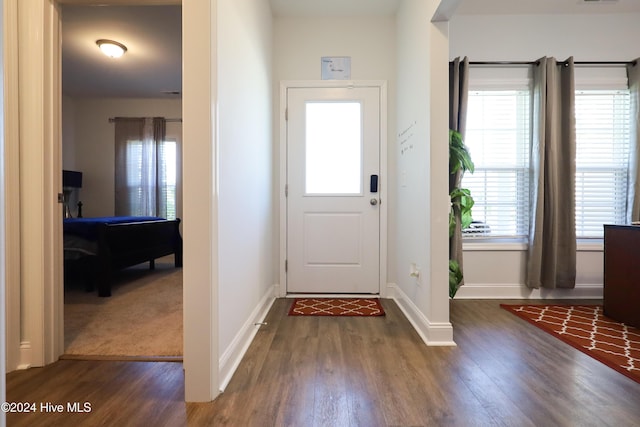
(37, 104)
(32, 181)
(284, 86)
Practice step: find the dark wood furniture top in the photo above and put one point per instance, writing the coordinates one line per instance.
(622, 273)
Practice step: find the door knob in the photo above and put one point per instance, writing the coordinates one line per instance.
(373, 201)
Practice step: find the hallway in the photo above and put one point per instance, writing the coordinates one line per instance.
(327, 371)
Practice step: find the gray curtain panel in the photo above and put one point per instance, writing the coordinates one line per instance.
(159, 136)
(552, 235)
(126, 129)
(633, 199)
(458, 100)
(137, 173)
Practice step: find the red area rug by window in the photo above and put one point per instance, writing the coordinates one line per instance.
(336, 307)
(587, 329)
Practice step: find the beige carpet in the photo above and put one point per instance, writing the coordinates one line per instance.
(143, 317)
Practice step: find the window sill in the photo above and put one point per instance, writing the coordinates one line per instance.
(470, 245)
(495, 244)
(590, 245)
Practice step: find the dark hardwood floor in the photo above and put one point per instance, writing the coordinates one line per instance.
(327, 371)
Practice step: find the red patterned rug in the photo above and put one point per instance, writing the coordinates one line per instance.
(587, 329)
(336, 307)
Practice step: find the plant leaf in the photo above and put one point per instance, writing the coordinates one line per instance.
(459, 157)
(455, 277)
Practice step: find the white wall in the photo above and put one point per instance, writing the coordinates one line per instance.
(88, 143)
(68, 133)
(609, 37)
(300, 42)
(245, 171)
(421, 151)
(412, 152)
(494, 272)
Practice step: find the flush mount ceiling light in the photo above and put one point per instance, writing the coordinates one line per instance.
(111, 48)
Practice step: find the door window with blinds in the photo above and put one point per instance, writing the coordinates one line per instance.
(498, 136)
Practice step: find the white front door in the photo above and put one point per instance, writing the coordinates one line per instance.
(333, 203)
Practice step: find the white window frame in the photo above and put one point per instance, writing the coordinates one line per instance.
(496, 78)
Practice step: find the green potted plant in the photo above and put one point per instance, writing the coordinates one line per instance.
(461, 200)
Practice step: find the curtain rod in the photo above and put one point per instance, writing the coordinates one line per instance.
(634, 62)
(113, 119)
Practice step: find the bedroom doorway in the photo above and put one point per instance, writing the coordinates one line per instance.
(35, 328)
(143, 316)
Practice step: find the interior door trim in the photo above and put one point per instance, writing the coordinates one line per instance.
(281, 288)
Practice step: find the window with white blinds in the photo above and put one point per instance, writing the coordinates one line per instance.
(602, 156)
(140, 174)
(167, 176)
(498, 138)
(151, 178)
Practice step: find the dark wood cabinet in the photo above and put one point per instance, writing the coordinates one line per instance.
(622, 273)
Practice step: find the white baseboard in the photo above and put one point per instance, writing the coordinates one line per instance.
(332, 296)
(519, 291)
(26, 354)
(232, 356)
(432, 333)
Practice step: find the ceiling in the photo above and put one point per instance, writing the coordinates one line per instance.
(334, 7)
(466, 7)
(152, 66)
(542, 7)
